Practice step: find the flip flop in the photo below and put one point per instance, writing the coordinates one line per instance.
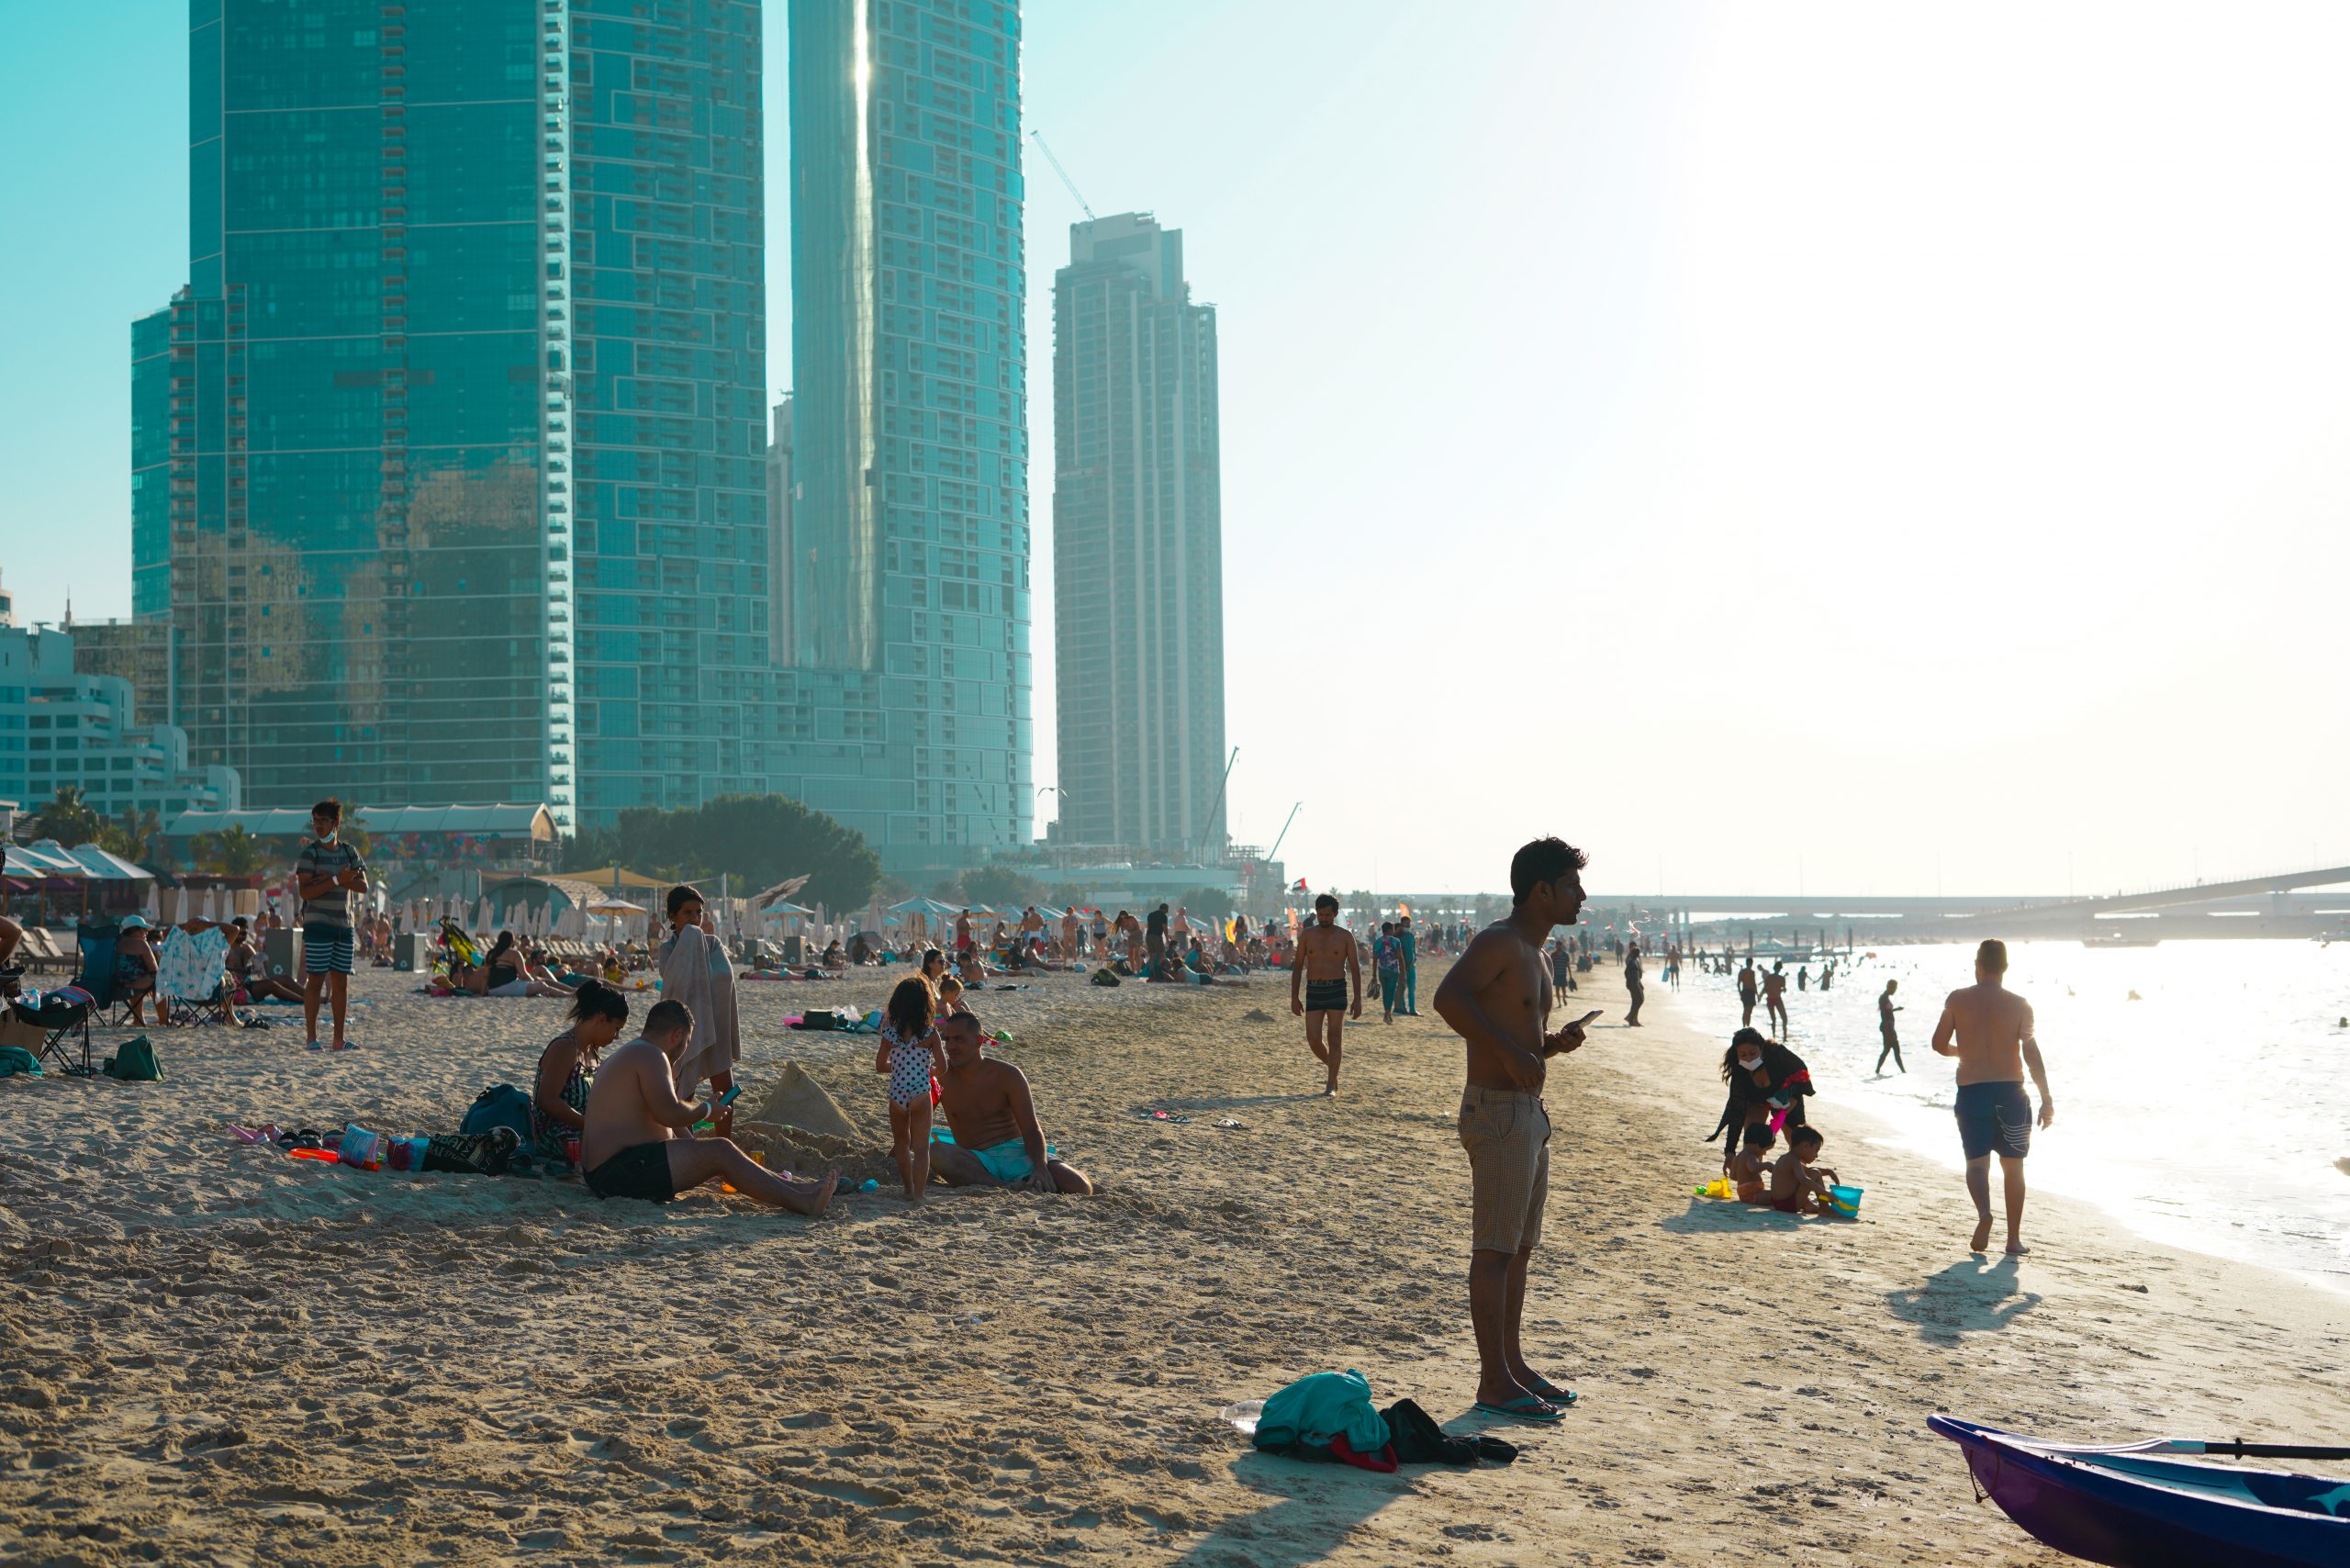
(1525, 1408)
(1547, 1390)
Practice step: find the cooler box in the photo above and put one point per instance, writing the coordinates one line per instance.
(281, 952)
(412, 952)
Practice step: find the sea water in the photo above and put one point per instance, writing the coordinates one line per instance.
(2202, 1088)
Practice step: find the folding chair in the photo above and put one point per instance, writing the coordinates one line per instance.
(59, 1015)
(192, 973)
(108, 998)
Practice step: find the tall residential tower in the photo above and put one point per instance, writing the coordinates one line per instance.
(909, 423)
(447, 463)
(1137, 544)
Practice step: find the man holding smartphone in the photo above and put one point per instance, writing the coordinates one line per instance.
(328, 874)
(1497, 998)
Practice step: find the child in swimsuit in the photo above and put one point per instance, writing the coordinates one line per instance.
(910, 1053)
(1795, 1187)
(1749, 1167)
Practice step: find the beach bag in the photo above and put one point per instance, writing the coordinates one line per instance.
(499, 1106)
(134, 1063)
(1103, 977)
(15, 1059)
(820, 1019)
(471, 1154)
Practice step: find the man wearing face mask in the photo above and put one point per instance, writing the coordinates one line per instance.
(328, 875)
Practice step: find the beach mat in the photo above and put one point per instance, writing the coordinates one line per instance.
(798, 1100)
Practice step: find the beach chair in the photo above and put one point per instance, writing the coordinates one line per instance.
(59, 1015)
(193, 974)
(40, 952)
(108, 1001)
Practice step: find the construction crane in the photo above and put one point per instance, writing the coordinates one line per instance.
(1046, 148)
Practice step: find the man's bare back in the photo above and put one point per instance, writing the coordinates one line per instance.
(1989, 1024)
(638, 1077)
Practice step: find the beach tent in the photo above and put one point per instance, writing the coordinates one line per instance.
(931, 907)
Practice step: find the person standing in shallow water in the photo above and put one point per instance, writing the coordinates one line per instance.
(1497, 998)
(1885, 1029)
(1990, 1029)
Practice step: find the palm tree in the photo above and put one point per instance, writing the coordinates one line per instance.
(68, 819)
(232, 852)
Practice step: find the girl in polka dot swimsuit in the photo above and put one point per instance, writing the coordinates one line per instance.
(910, 1053)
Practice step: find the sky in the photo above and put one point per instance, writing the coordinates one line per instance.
(1838, 448)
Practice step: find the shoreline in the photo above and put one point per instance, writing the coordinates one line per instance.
(223, 1355)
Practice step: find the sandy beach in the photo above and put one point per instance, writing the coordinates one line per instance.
(211, 1353)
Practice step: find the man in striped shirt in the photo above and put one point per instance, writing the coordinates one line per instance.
(328, 874)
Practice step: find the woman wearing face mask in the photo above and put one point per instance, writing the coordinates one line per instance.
(1767, 1084)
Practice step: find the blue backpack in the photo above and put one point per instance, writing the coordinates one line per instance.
(500, 1105)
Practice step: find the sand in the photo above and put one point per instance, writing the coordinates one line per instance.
(214, 1353)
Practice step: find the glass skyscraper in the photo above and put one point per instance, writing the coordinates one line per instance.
(1137, 544)
(447, 462)
(909, 426)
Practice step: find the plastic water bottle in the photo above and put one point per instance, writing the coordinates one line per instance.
(1242, 1418)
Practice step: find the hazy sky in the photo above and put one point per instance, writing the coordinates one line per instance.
(1863, 445)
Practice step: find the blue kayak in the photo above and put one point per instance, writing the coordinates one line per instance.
(2132, 1506)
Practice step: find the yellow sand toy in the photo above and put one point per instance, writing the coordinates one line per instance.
(1720, 1187)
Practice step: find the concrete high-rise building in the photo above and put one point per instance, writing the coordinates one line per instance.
(783, 582)
(447, 464)
(1137, 543)
(910, 447)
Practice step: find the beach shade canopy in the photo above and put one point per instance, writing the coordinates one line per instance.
(616, 906)
(615, 877)
(47, 859)
(930, 906)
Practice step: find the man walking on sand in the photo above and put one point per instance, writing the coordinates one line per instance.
(1988, 1029)
(1407, 986)
(1497, 998)
(327, 873)
(1632, 986)
(1325, 962)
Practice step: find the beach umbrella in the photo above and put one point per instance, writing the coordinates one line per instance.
(485, 918)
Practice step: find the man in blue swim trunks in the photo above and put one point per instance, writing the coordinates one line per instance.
(1988, 1029)
(998, 1140)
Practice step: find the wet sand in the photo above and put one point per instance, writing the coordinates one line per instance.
(213, 1353)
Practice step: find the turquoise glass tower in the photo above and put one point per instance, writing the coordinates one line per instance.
(910, 436)
(447, 462)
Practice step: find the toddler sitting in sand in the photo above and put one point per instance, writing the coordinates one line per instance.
(1795, 1187)
(1749, 1167)
(950, 997)
(910, 1053)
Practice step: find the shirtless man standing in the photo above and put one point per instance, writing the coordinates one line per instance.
(998, 1140)
(639, 1143)
(1325, 962)
(1497, 999)
(1775, 996)
(1988, 1029)
(1746, 994)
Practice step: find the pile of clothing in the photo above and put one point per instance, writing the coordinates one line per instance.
(1330, 1416)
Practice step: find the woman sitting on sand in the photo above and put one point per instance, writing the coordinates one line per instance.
(241, 963)
(501, 973)
(559, 1093)
(1767, 1084)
